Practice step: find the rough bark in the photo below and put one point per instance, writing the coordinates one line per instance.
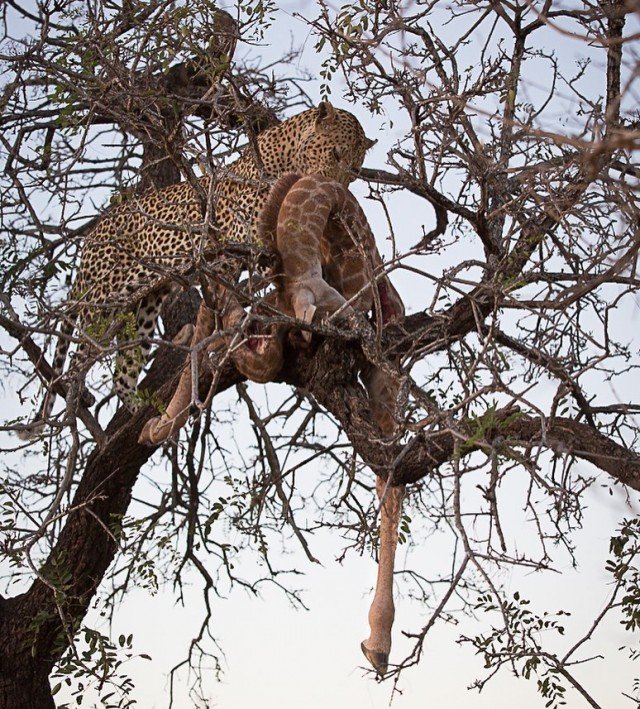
(24, 681)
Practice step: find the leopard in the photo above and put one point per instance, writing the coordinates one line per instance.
(329, 266)
(139, 250)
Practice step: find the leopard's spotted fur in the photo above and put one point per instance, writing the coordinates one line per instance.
(133, 250)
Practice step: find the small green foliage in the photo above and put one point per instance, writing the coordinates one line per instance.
(328, 69)
(353, 21)
(146, 575)
(487, 423)
(97, 328)
(58, 574)
(9, 515)
(405, 531)
(517, 643)
(36, 623)
(122, 196)
(216, 510)
(100, 325)
(146, 397)
(129, 328)
(259, 15)
(623, 566)
(349, 27)
(95, 663)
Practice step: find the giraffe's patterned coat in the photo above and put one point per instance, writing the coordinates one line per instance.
(330, 263)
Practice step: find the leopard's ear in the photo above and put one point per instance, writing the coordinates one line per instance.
(369, 143)
(326, 115)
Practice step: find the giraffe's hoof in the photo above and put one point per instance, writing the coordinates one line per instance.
(184, 335)
(155, 431)
(146, 435)
(378, 660)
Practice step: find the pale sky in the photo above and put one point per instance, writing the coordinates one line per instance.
(281, 658)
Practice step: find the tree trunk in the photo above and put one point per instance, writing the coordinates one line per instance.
(34, 625)
(28, 689)
(24, 681)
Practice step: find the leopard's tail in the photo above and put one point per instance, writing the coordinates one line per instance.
(35, 428)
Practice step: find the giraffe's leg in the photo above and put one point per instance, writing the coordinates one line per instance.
(390, 301)
(377, 646)
(383, 393)
(159, 429)
(260, 357)
(303, 302)
(162, 427)
(131, 360)
(313, 298)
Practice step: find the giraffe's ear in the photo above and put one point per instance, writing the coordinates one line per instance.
(326, 115)
(369, 143)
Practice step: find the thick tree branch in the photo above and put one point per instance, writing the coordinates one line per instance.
(328, 377)
(88, 541)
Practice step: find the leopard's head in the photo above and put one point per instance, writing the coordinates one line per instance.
(333, 144)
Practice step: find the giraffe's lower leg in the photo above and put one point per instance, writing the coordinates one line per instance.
(159, 429)
(260, 357)
(377, 646)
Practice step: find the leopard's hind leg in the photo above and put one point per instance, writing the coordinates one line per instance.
(132, 358)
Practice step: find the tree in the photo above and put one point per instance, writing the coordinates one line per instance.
(518, 357)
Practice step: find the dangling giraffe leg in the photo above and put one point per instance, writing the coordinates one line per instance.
(377, 646)
(383, 392)
(159, 429)
(259, 361)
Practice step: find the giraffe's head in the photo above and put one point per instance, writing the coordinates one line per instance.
(333, 144)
